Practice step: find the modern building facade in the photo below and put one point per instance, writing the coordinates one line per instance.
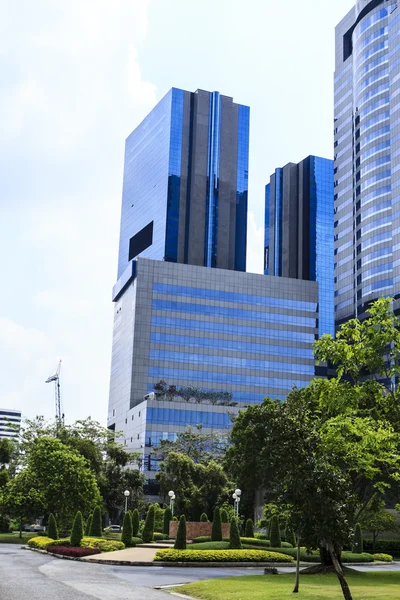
(243, 335)
(299, 229)
(367, 150)
(185, 184)
(10, 423)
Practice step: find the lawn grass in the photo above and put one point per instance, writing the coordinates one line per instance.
(364, 586)
(13, 538)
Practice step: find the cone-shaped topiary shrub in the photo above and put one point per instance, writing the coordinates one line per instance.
(52, 531)
(274, 533)
(249, 533)
(289, 536)
(126, 536)
(180, 541)
(167, 520)
(88, 525)
(96, 529)
(204, 518)
(135, 522)
(148, 530)
(234, 536)
(216, 531)
(358, 540)
(224, 516)
(77, 530)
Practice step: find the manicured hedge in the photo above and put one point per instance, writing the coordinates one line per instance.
(74, 552)
(261, 536)
(201, 539)
(41, 542)
(221, 556)
(256, 542)
(101, 544)
(157, 537)
(383, 546)
(209, 546)
(136, 541)
(353, 557)
(383, 557)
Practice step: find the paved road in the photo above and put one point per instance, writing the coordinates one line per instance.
(26, 575)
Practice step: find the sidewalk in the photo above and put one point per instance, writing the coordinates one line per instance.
(137, 555)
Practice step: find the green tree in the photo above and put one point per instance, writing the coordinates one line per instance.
(204, 518)
(127, 530)
(224, 516)
(96, 526)
(234, 536)
(180, 541)
(249, 528)
(358, 540)
(52, 531)
(377, 519)
(77, 530)
(135, 522)
(216, 531)
(274, 532)
(88, 525)
(148, 530)
(6, 450)
(198, 446)
(21, 499)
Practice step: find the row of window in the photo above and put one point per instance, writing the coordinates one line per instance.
(238, 396)
(172, 416)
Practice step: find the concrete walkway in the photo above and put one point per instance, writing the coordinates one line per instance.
(136, 555)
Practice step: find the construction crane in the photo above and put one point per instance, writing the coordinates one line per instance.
(57, 393)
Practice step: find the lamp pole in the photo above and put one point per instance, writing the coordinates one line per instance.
(172, 497)
(126, 494)
(236, 497)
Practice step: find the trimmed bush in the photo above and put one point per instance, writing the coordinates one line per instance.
(216, 531)
(52, 531)
(174, 518)
(289, 536)
(209, 546)
(201, 539)
(358, 540)
(135, 522)
(180, 542)
(261, 536)
(167, 519)
(383, 557)
(126, 536)
(249, 531)
(77, 530)
(158, 537)
(221, 556)
(286, 545)
(102, 545)
(96, 529)
(136, 541)
(234, 536)
(224, 516)
(256, 542)
(384, 546)
(274, 533)
(74, 552)
(41, 542)
(203, 518)
(350, 557)
(148, 529)
(88, 525)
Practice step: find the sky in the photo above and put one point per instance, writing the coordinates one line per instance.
(77, 76)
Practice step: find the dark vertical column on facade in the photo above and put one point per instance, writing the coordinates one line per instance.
(267, 232)
(289, 241)
(304, 219)
(226, 235)
(272, 237)
(198, 179)
(185, 176)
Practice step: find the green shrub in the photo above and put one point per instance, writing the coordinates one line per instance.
(174, 518)
(135, 522)
(286, 545)
(274, 533)
(209, 546)
(136, 541)
(221, 556)
(216, 531)
(249, 531)
(167, 519)
(201, 539)
(262, 524)
(224, 516)
(256, 542)
(5, 524)
(234, 536)
(103, 545)
(203, 518)
(180, 541)
(148, 529)
(52, 531)
(77, 530)
(261, 536)
(383, 557)
(96, 529)
(289, 536)
(41, 542)
(88, 525)
(384, 546)
(158, 537)
(126, 536)
(363, 557)
(358, 540)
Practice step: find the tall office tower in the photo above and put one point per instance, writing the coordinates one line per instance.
(185, 183)
(10, 423)
(367, 150)
(299, 229)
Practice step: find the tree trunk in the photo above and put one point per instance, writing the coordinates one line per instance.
(20, 527)
(296, 585)
(339, 572)
(373, 542)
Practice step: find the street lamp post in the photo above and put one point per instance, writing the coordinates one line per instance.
(126, 494)
(172, 497)
(236, 497)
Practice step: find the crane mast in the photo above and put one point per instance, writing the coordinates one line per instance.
(57, 393)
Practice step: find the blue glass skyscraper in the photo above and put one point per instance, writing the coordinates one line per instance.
(299, 222)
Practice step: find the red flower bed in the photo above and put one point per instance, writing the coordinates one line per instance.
(75, 552)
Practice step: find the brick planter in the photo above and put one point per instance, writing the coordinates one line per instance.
(196, 529)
